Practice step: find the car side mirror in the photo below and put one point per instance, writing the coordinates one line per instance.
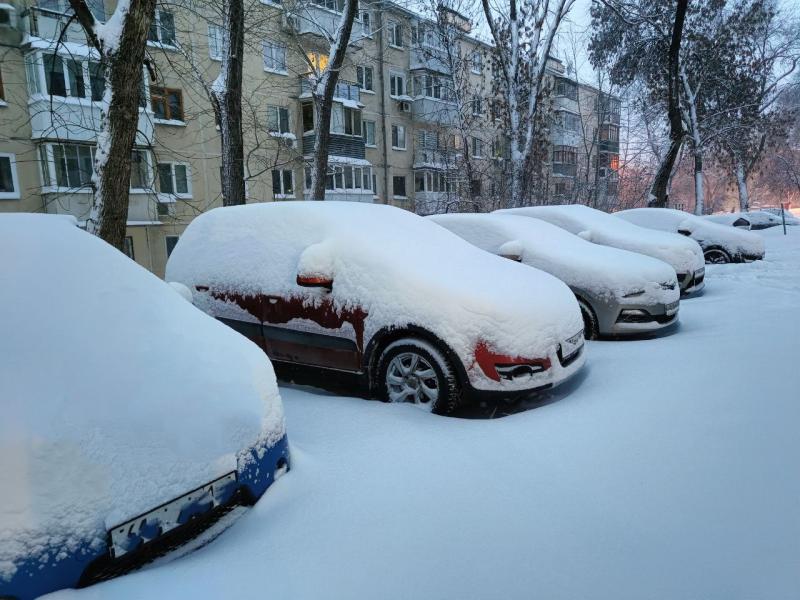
(511, 250)
(315, 281)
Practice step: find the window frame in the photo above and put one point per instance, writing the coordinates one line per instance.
(273, 46)
(404, 195)
(365, 127)
(476, 59)
(2, 89)
(167, 197)
(283, 194)
(159, 43)
(49, 170)
(148, 172)
(361, 78)
(279, 131)
(167, 108)
(395, 29)
(393, 77)
(396, 131)
(12, 163)
(218, 43)
(166, 243)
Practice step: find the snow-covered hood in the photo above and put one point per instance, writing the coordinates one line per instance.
(706, 233)
(602, 271)
(682, 254)
(401, 269)
(118, 394)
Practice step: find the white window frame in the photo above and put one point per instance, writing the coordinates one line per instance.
(148, 172)
(171, 196)
(364, 128)
(400, 129)
(337, 173)
(395, 75)
(15, 195)
(477, 147)
(48, 168)
(477, 106)
(394, 27)
(283, 195)
(366, 23)
(215, 41)
(361, 78)
(476, 63)
(159, 43)
(277, 132)
(273, 46)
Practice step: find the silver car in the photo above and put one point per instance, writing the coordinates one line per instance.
(619, 292)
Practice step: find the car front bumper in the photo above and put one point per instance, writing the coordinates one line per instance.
(692, 282)
(631, 319)
(79, 563)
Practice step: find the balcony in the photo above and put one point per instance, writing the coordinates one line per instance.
(142, 207)
(346, 91)
(565, 169)
(47, 24)
(76, 120)
(310, 18)
(427, 158)
(432, 110)
(608, 146)
(428, 59)
(341, 145)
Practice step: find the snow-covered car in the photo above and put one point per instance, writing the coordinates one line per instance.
(130, 420)
(791, 218)
(418, 313)
(682, 254)
(753, 220)
(619, 292)
(720, 244)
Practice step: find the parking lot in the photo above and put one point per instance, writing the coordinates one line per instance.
(667, 469)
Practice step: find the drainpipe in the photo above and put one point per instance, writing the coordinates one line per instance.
(382, 77)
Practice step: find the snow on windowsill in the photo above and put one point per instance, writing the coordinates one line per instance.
(278, 72)
(397, 148)
(3, 103)
(346, 160)
(402, 98)
(9, 196)
(286, 136)
(64, 48)
(371, 92)
(349, 103)
(172, 198)
(169, 122)
(162, 46)
(396, 47)
(284, 196)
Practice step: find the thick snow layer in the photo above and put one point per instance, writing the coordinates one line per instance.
(604, 271)
(757, 217)
(117, 394)
(702, 230)
(669, 472)
(400, 268)
(684, 255)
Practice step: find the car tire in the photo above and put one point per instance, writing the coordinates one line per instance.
(716, 256)
(590, 327)
(413, 370)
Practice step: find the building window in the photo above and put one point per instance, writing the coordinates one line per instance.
(365, 78)
(566, 87)
(565, 154)
(366, 23)
(477, 148)
(352, 122)
(67, 77)
(369, 133)
(397, 84)
(395, 34)
(140, 171)
(477, 106)
(9, 185)
(399, 186)
(609, 133)
(346, 178)
(308, 117)
(562, 188)
(2, 89)
(398, 137)
(569, 121)
(174, 180)
(73, 165)
(215, 42)
(162, 29)
(278, 119)
(433, 86)
(317, 60)
(476, 63)
(127, 247)
(274, 57)
(171, 241)
(282, 183)
(432, 181)
(166, 103)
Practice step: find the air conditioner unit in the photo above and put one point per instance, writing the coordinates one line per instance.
(404, 106)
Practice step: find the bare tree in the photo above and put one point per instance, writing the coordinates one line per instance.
(121, 44)
(523, 37)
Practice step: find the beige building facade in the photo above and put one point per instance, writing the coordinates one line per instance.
(406, 130)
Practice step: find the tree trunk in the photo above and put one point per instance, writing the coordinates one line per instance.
(659, 191)
(517, 185)
(227, 100)
(741, 184)
(124, 59)
(699, 192)
(323, 91)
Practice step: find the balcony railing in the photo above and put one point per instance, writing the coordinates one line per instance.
(566, 169)
(345, 90)
(608, 146)
(340, 145)
(431, 110)
(429, 59)
(48, 24)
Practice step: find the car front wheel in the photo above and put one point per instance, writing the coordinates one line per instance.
(716, 256)
(412, 370)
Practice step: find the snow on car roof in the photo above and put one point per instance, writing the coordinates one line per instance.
(670, 219)
(755, 217)
(684, 255)
(118, 394)
(399, 267)
(600, 269)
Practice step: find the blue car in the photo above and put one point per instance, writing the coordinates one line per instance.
(131, 422)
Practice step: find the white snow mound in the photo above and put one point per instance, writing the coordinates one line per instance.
(117, 394)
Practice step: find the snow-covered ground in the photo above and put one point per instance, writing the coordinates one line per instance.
(668, 471)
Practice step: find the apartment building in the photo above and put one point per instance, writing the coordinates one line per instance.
(413, 122)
